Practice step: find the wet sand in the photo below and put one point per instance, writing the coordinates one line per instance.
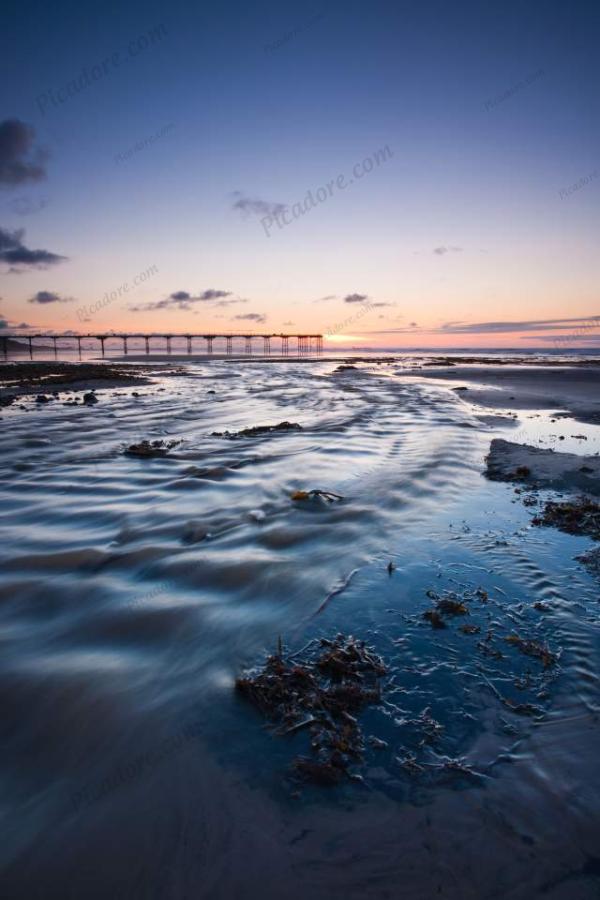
(574, 473)
(134, 591)
(19, 379)
(562, 388)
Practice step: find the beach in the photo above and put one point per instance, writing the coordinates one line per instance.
(570, 387)
(136, 587)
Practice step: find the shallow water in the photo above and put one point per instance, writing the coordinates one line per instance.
(133, 591)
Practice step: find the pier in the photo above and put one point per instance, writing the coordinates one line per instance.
(243, 342)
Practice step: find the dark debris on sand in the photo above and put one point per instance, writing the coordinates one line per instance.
(323, 693)
(258, 430)
(578, 516)
(31, 374)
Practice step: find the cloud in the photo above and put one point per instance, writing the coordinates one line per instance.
(325, 299)
(413, 324)
(382, 304)
(48, 297)
(230, 302)
(26, 206)
(395, 331)
(14, 252)
(526, 325)
(565, 339)
(582, 324)
(440, 251)
(288, 324)
(252, 317)
(19, 162)
(247, 205)
(184, 300)
(355, 298)
(211, 294)
(4, 323)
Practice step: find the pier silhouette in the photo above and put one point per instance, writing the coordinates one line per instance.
(304, 343)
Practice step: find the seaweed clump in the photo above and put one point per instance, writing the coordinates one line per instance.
(258, 430)
(147, 449)
(445, 606)
(533, 648)
(579, 516)
(318, 495)
(323, 694)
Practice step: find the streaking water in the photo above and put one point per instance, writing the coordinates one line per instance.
(133, 591)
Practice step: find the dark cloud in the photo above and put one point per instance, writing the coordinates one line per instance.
(440, 251)
(14, 252)
(247, 205)
(325, 299)
(211, 294)
(184, 300)
(355, 298)
(252, 317)
(4, 323)
(527, 325)
(382, 304)
(48, 297)
(19, 161)
(577, 326)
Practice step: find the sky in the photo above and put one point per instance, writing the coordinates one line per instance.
(388, 174)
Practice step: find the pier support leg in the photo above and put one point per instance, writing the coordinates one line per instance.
(147, 342)
(55, 350)
(209, 342)
(168, 343)
(189, 344)
(248, 344)
(228, 341)
(125, 345)
(102, 345)
(30, 348)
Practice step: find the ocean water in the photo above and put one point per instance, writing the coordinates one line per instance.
(134, 591)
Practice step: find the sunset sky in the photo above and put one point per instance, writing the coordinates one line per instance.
(345, 168)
